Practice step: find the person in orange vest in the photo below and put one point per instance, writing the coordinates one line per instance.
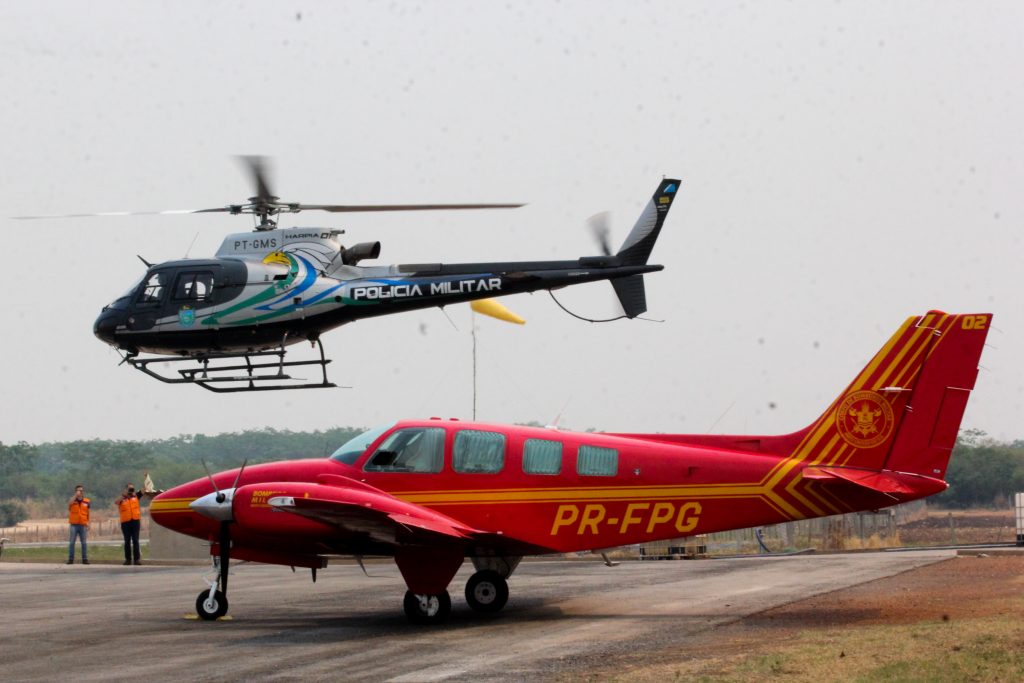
(78, 519)
(131, 516)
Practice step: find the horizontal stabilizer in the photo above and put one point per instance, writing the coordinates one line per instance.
(888, 483)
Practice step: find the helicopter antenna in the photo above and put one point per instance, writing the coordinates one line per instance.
(191, 244)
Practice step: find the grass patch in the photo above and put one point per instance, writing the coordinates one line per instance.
(97, 553)
(988, 649)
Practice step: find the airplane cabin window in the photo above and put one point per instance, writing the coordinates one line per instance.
(541, 456)
(596, 461)
(478, 452)
(415, 449)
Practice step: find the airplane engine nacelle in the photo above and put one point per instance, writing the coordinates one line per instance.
(358, 252)
(253, 512)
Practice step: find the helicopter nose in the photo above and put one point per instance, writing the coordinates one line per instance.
(105, 326)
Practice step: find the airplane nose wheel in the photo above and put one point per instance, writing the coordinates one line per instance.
(212, 604)
(486, 591)
(211, 607)
(427, 609)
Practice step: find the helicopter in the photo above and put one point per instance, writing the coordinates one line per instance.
(229, 320)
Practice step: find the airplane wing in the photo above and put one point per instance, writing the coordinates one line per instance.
(356, 509)
(381, 525)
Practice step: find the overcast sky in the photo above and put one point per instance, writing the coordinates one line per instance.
(845, 165)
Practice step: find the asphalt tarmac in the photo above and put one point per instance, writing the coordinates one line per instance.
(99, 622)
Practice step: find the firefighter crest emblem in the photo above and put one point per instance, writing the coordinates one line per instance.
(864, 419)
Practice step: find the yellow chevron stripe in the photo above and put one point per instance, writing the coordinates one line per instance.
(840, 503)
(922, 329)
(788, 510)
(857, 384)
(791, 490)
(567, 489)
(767, 501)
(813, 491)
(847, 449)
(595, 494)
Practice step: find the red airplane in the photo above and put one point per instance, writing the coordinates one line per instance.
(431, 493)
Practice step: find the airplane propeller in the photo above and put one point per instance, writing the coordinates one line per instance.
(225, 517)
(265, 205)
(222, 495)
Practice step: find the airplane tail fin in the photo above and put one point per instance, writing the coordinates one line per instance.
(903, 411)
(636, 249)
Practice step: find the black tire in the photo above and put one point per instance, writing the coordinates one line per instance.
(486, 591)
(427, 609)
(209, 610)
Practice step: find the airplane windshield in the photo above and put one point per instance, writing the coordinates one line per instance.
(357, 445)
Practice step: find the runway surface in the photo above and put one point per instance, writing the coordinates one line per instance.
(96, 622)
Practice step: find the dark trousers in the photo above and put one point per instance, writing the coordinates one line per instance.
(130, 531)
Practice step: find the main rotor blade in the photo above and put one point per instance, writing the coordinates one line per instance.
(355, 208)
(172, 212)
(257, 167)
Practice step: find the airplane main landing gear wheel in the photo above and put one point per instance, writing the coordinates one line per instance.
(211, 608)
(427, 609)
(486, 591)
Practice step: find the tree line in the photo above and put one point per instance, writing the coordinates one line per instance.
(48, 472)
(983, 472)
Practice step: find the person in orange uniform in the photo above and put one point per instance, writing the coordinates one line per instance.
(131, 516)
(78, 519)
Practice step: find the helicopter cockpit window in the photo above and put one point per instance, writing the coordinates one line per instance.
(195, 286)
(122, 301)
(153, 292)
(414, 449)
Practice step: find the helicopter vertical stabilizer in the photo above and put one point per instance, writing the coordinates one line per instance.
(636, 250)
(638, 245)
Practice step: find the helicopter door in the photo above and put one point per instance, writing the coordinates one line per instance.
(193, 290)
(149, 301)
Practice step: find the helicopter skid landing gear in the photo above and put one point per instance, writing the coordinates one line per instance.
(247, 376)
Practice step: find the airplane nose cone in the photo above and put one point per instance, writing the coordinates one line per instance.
(216, 506)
